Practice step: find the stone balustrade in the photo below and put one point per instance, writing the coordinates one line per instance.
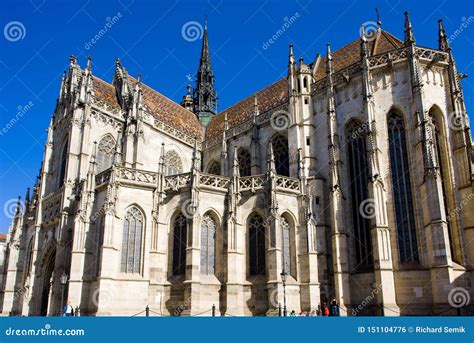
(174, 183)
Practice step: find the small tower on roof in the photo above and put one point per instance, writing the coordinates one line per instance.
(205, 96)
(187, 101)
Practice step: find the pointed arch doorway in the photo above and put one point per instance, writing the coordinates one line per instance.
(48, 279)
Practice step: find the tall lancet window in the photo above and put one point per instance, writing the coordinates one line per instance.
(105, 153)
(441, 150)
(132, 241)
(173, 164)
(245, 162)
(179, 245)
(402, 191)
(280, 152)
(214, 168)
(208, 245)
(358, 170)
(62, 165)
(286, 245)
(256, 233)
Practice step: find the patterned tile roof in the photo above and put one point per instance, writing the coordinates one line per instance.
(277, 93)
(105, 92)
(350, 53)
(168, 111)
(269, 97)
(161, 107)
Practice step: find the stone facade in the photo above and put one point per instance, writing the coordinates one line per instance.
(138, 209)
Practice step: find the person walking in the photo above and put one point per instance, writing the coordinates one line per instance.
(325, 310)
(334, 309)
(68, 311)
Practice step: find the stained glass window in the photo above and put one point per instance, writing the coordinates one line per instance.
(438, 137)
(105, 153)
(286, 245)
(358, 170)
(208, 245)
(280, 152)
(179, 245)
(256, 234)
(132, 241)
(63, 164)
(402, 191)
(173, 164)
(244, 162)
(214, 168)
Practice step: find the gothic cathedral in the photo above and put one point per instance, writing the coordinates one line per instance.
(349, 179)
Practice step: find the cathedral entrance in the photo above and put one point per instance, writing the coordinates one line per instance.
(48, 279)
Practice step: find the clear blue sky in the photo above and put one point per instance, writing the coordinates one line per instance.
(147, 36)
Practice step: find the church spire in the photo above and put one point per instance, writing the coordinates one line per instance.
(442, 37)
(409, 36)
(205, 97)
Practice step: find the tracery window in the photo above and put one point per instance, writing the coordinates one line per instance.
(286, 246)
(256, 232)
(132, 241)
(173, 164)
(402, 191)
(179, 245)
(29, 258)
(63, 164)
(358, 170)
(280, 153)
(440, 140)
(208, 245)
(214, 168)
(105, 153)
(245, 162)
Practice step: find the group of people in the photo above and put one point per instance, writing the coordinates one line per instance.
(331, 310)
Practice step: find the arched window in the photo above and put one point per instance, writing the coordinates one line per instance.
(179, 245)
(105, 153)
(358, 169)
(208, 245)
(440, 150)
(280, 152)
(173, 164)
(29, 258)
(214, 168)
(132, 241)
(402, 191)
(256, 234)
(286, 246)
(62, 165)
(244, 162)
